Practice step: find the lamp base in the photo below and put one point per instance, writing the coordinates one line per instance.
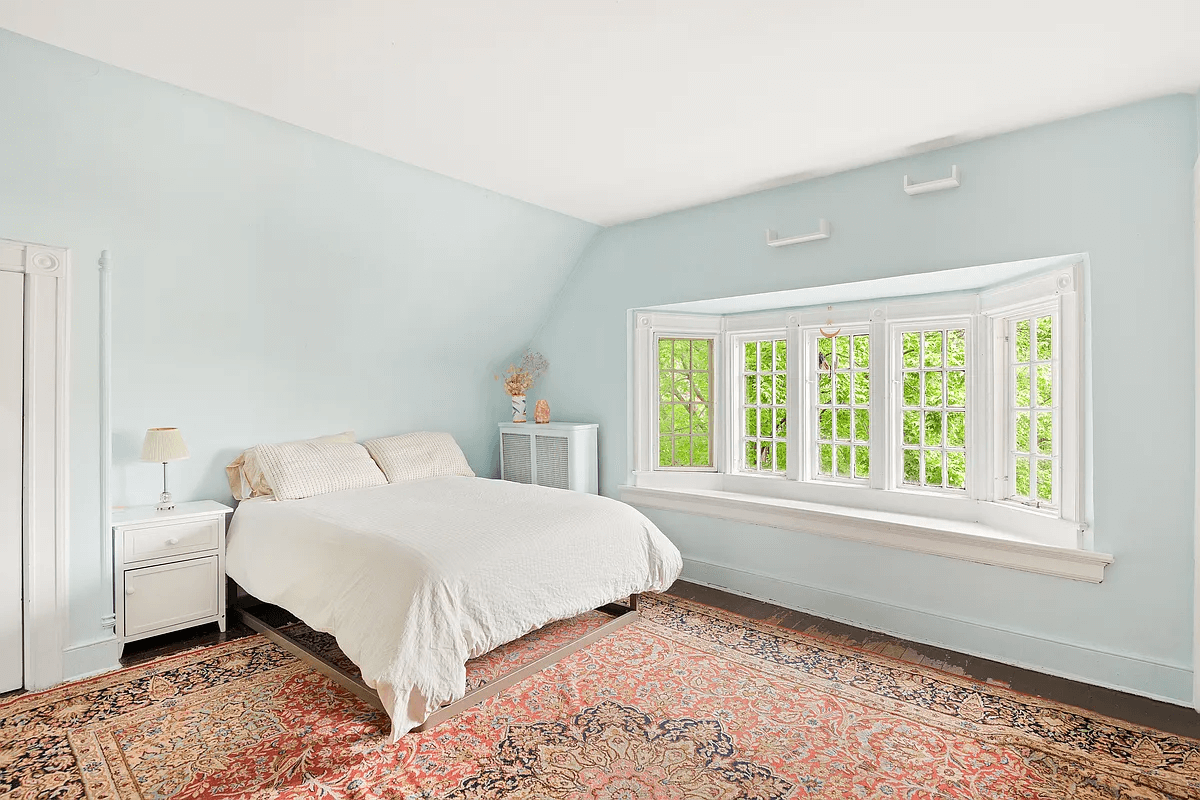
(165, 503)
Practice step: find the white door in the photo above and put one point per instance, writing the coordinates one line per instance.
(12, 371)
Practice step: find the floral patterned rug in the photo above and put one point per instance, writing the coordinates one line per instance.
(687, 702)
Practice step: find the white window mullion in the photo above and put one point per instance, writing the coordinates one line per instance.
(799, 424)
(882, 425)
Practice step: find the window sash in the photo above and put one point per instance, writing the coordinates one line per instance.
(842, 451)
(1013, 408)
(709, 405)
(777, 404)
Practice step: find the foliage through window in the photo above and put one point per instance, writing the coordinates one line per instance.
(843, 432)
(685, 381)
(764, 406)
(1031, 345)
(933, 424)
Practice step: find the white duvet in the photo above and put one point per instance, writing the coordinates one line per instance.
(415, 578)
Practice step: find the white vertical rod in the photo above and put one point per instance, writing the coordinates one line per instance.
(106, 555)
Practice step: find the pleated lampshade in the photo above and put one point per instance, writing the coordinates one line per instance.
(164, 444)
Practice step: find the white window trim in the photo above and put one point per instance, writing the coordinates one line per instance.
(982, 526)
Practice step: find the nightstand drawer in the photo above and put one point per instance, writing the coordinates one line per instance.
(178, 538)
(170, 594)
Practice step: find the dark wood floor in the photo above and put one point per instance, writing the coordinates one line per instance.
(1131, 708)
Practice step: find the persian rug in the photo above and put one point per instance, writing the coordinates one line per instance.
(687, 702)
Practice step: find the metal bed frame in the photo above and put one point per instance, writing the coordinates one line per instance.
(242, 605)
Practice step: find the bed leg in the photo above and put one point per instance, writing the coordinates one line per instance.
(633, 601)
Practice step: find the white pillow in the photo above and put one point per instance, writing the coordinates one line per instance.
(246, 477)
(302, 469)
(418, 455)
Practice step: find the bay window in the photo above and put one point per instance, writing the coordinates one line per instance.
(947, 420)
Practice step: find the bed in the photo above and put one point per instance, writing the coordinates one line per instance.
(414, 578)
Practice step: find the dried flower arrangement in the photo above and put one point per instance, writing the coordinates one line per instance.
(519, 378)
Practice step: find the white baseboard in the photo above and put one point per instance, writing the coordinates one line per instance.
(91, 658)
(1171, 683)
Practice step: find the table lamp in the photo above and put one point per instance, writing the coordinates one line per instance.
(163, 445)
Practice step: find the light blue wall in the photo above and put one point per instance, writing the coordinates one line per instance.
(269, 283)
(1117, 185)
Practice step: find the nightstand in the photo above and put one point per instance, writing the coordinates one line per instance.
(168, 568)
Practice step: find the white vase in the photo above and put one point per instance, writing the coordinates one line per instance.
(518, 404)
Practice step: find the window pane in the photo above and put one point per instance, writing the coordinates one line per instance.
(700, 419)
(956, 429)
(1023, 431)
(665, 420)
(841, 385)
(843, 424)
(912, 466)
(751, 455)
(1022, 474)
(683, 451)
(700, 452)
(862, 388)
(751, 389)
(1044, 339)
(933, 348)
(912, 388)
(765, 460)
(843, 460)
(841, 349)
(664, 451)
(764, 422)
(825, 460)
(824, 346)
(862, 462)
(664, 353)
(751, 363)
(912, 349)
(780, 423)
(1045, 481)
(781, 456)
(781, 390)
(700, 386)
(781, 356)
(1022, 381)
(682, 419)
(862, 351)
(956, 470)
(933, 388)
(956, 347)
(1045, 393)
(956, 389)
(933, 467)
(912, 427)
(1023, 340)
(862, 425)
(766, 389)
(665, 381)
(825, 424)
(933, 430)
(751, 421)
(683, 354)
(700, 353)
(824, 388)
(1045, 432)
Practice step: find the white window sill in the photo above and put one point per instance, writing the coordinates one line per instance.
(969, 541)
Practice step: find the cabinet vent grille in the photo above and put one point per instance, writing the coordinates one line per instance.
(552, 462)
(517, 457)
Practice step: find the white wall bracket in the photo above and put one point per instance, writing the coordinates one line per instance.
(933, 186)
(773, 239)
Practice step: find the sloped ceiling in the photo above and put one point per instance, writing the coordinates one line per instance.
(613, 110)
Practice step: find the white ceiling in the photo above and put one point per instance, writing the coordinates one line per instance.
(612, 110)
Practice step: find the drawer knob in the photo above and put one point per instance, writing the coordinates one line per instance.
(173, 540)
(128, 590)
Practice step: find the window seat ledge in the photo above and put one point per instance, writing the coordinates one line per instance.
(949, 538)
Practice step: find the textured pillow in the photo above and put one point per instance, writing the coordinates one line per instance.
(245, 474)
(303, 469)
(418, 455)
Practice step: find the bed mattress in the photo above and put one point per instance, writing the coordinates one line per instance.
(415, 578)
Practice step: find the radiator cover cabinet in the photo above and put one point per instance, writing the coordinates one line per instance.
(561, 455)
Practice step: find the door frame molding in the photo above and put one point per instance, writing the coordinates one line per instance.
(44, 503)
